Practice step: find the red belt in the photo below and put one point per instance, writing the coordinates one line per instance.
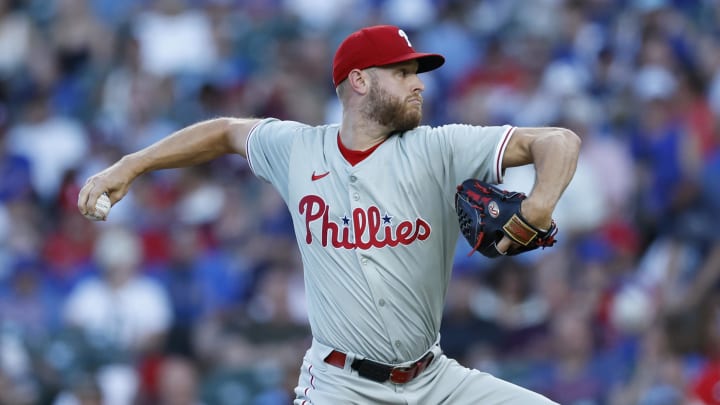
(381, 372)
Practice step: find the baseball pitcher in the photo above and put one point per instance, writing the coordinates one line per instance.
(373, 202)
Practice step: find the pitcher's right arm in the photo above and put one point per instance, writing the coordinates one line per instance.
(192, 145)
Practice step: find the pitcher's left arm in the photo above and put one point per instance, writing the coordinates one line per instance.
(554, 153)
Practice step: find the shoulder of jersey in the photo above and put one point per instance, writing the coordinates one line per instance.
(419, 133)
(319, 129)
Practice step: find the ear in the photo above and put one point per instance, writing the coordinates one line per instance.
(359, 81)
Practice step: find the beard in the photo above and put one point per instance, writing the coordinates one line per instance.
(390, 111)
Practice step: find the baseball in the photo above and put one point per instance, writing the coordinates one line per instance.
(102, 208)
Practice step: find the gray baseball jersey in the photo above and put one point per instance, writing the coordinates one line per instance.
(377, 239)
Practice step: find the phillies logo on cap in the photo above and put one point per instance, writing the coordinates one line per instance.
(404, 35)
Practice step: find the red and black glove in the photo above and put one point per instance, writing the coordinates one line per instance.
(486, 213)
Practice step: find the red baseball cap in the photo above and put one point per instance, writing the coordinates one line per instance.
(378, 46)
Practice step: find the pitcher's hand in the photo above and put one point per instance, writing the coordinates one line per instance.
(114, 181)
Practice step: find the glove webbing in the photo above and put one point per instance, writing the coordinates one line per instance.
(465, 221)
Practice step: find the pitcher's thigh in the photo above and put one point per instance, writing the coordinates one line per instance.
(458, 385)
(320, 384)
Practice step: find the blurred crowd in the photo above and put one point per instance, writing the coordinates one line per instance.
(192, 293)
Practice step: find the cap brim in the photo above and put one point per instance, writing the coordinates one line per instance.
(426, 61)
(429, 61)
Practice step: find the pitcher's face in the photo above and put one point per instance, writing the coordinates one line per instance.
(395, 99)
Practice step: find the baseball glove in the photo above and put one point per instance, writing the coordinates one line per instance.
(486, 213)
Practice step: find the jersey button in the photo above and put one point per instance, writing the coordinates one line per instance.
(353, 179)
(381, 302)
(398, 344)
(363, 261)
(356, 196)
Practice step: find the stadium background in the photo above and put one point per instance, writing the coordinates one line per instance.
(207, 304)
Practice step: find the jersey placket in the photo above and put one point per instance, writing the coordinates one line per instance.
(381, 299)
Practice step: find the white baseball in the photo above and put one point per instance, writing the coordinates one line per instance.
(102, 208)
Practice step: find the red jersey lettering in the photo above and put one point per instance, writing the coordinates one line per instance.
(367, 230)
